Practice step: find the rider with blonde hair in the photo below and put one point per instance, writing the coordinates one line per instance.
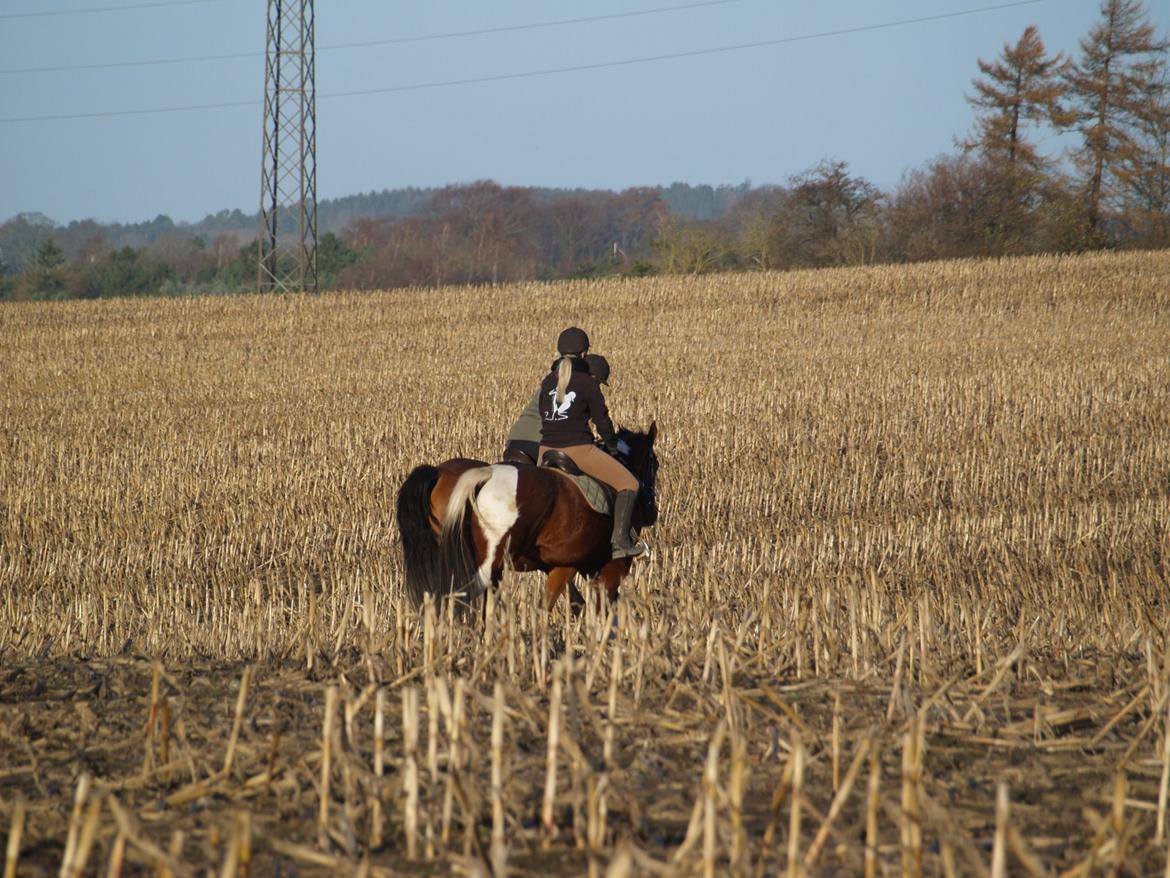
(570, 397)
(523, 443)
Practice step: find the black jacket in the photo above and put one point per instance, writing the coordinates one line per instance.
(568, 424)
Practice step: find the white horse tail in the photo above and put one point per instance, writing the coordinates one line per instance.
(462, 495)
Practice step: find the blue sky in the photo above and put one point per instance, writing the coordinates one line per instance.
(883, 100)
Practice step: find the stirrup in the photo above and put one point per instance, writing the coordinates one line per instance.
(629, 550)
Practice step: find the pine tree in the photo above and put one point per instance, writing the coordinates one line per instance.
(46, 275)
(1022, 88)
(1020, 91)
(49, 256)
(1144, 174)
(1106, 87)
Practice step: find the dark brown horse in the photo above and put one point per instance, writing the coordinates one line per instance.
(464, 519)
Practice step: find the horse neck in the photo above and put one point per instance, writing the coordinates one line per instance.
(643, 466)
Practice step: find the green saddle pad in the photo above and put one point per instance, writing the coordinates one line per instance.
(595, 492)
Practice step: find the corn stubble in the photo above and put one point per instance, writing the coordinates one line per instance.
(906, 611)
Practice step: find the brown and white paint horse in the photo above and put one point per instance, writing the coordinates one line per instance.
(464, 519)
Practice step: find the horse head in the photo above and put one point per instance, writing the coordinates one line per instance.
(637, 451)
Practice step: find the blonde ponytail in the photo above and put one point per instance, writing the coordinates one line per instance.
(564, 373)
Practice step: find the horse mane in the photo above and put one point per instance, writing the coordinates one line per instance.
(647, 466)
(626, 434)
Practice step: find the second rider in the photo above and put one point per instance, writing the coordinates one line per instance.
(569, 398)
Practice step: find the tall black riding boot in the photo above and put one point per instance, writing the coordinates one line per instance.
(623, 511)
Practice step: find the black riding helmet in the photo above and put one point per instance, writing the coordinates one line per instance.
(598, 367)
(572, 341)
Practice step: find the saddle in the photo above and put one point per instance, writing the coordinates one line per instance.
(599, 495)
(554, 459)
(515, 455)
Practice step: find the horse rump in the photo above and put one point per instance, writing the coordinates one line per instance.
(432, 565)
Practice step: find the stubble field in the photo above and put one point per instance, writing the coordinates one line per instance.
(906, 613)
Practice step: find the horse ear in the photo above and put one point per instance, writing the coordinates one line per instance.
(652, 433)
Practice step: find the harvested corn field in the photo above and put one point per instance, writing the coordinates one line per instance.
(906, 611)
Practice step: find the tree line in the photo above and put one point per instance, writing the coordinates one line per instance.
(997, 194)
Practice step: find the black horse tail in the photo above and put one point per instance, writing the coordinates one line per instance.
(420, 549)
(434, 566)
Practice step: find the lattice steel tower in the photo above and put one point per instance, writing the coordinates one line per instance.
(287, 252)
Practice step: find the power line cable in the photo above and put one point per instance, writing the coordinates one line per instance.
(54, 12)
(547, 72)
(369, 43)
(689, 54)
(116, 64)
(518, 27)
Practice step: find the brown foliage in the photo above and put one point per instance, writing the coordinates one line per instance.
(1108, 85)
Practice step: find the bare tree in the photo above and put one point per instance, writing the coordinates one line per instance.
(756, 225)
(832, 216)
(690, 247)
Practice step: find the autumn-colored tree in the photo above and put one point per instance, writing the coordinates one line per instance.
(931, 214)
(1020, 89)
(1107, 87)
(1017, 93)
(1143, 174)
(486, 231)
(366, 233)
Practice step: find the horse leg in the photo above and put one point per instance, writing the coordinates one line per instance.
(558, 578)
(611, 576)
(576, 599)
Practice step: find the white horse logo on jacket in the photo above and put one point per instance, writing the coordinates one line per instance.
(561, 412)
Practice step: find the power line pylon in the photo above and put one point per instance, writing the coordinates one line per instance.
(287, 246)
